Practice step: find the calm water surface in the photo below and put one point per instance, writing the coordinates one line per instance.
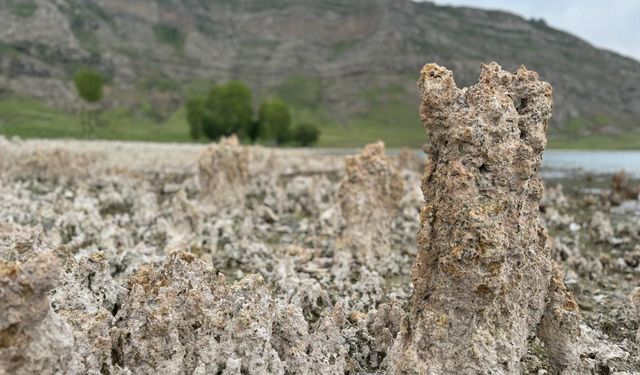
(557, 163)
(593, 162)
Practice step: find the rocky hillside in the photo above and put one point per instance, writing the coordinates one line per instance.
(344, 60)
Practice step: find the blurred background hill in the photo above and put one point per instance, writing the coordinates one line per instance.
(348, 66)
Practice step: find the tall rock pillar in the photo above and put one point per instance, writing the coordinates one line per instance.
(483, 269)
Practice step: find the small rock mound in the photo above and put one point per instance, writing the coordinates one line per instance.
(369, 197)
(33, 339)
(224, 172)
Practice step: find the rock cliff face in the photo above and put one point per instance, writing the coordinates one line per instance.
(483, 270)
(316, 54)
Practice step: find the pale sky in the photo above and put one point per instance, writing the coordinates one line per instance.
(610, 24)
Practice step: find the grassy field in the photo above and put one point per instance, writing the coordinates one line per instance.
(29, 118)
(391, 122)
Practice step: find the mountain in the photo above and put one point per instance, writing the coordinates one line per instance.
(349, 63)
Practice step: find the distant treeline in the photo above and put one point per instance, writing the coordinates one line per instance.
(225, 110)
(228, 109)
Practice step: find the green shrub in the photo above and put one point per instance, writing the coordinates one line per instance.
(275, 120)
(195, 113)
(228, 109)
(254, 131)
(89, 84)
(306, 134)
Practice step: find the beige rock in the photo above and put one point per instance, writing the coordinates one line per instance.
(622, 189)
(369, 197)
(483, 268)
(560, 326)
(601, 227)
(408, 159)
(33, 339)
(635, 300)
(224, 172)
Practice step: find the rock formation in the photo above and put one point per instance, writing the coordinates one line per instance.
(483, 273)
(224, 171)
(184, 319)
(601, 227)
(369, 197)
(408, 159)
(188, 308)
(622, 189)
(635, 300)
(33, 339)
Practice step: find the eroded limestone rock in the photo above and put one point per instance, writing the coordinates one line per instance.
(601, 227)
(483, 268)
(185, 319)
(408, 159)
(635, 300)
(86, 298)
(224, 171)
(622, 189)
(33, 338)
(369, 197)
(560, 327)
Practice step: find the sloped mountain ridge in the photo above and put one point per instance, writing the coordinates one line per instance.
(339, 57)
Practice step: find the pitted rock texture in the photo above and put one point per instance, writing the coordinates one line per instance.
(33, 339)
(224, 171)
(369, 197)
(635, 300)
(184, 319)
(137, 209)
(408, 159)
(483, 268)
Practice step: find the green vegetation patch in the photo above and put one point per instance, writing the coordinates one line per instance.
(341, 47)
(390, 118)
(29, 118)
(300, 91)
(158, 82)
(169, 35)
(24, 8)
(395, 122)
(596, 142)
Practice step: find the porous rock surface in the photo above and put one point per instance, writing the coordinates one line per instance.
(224, 170)
(116, 259)
(635, 300)
(483, 269)
(33, 339)
(369, 197)
(264, 287)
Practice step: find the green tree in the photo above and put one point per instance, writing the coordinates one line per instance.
(275, 120)
(254, 131)
(228, 110)
(89, 84)
(195, 115)
(306, 134)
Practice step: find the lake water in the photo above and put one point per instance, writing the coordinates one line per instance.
(593, 162)
(560, 163)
